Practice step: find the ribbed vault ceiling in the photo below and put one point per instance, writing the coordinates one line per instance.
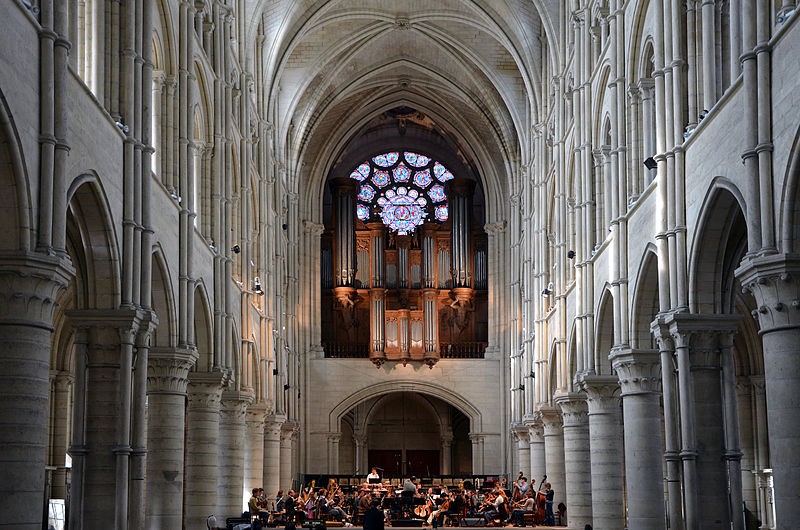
(469, 66)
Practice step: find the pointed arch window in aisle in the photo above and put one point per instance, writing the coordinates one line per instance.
(402, 189)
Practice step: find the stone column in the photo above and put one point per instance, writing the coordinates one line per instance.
(107, 337)
(538, 462)
(272, 455)
(254, 446)
(698, 341)
(639, 374)
(672, 469)
(773, 281)
(167, 378)
(477, 440)
(62, 384)
(231, 494)
(288, 432)
(520, 433)
(333, 452)
(202, 435)
(360, 453)
(30, 289)
(554, 451)
(447, 455)
(577, 461)
(605, 434)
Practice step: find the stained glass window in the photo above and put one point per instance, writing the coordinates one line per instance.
(396, 188)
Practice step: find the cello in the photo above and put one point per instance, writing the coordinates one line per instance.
(539, 503)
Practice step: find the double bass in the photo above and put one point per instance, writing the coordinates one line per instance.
(539, 503)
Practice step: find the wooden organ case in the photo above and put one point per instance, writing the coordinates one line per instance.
(418, 297)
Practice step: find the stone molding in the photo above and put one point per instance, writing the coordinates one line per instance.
(168, 371)
(520, 433)
(639, 371)
(774, 281)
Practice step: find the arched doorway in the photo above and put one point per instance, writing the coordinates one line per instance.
(405, 433)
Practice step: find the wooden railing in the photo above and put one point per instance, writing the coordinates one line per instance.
(346, 350)
(463, 350)
(459, 350)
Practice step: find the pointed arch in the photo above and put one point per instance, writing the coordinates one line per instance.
(645, 303)
(203, 331)
(719, 245)
(790, 202)
(163, 302)
(15, 211)
(93, 245)
(604, 332)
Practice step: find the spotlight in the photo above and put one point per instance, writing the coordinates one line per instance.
(257, 286)
(650, 163)
(286, 386)
(521, 386)
(285, 226)
(236, 249)
(122, 127)
(274, 371)
(571, 254)
(547, 291)
(703, 114)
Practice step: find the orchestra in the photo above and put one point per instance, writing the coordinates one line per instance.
(497, 503)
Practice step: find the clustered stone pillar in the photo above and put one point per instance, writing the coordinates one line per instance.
(605, 432)
(26, 317)
(272, 455)
(536, 439)
(232, 427)
(523, 449)
(167, 380)
(202, 435)
(773, 281)
(254, 446)
(288, 433)
(577, 461)
(639, 374)
(554, 450)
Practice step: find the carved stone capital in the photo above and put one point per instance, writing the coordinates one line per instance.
(30, 287)
(602, 393)
(639, 371)
(551, 420)
(315, 229)
(495, 229)
(520, 433)
(774, 281)
(289, 431)
(574, 409)
(205, 390)
(272, 428)
(168, 371)
(233, 406)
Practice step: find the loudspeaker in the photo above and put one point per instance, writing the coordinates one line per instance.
(314, 524)
(474, 521)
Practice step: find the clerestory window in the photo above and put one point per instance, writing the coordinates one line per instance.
(401, 189)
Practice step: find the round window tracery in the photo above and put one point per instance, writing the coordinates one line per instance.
(396, 188)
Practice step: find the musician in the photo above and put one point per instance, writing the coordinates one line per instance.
(373, 476)
(255, 507)
(549, 494)
(409, 485)
(523, 486)
(496, 507)
(527, 505)
(373, 517)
